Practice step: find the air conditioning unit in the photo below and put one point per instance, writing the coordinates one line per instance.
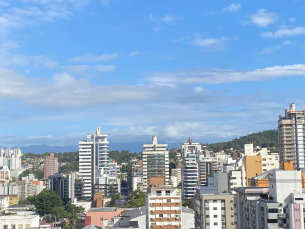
(176, 210)
(176, 226)
(161, 218)
(169, 217)
(153, 211)
(153, 226)
(280, 210)
(161, 226)
(176, 218)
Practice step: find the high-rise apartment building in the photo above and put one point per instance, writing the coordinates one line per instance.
(60, 184)
(291, 137)
(93, 155)
(50, 166)
(163, 207)
(189, 170)
(155, 162)
(207, 165)
(214, 211)
(281, 205)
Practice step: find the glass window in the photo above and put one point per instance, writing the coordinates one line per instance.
(20, 226)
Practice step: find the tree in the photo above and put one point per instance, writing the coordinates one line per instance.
(59, 212)
(74, 213)
(189, 203)
(114, 197)
(138, 199)
(46, 202)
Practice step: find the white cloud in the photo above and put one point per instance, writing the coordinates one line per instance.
(90, 57)
(31, 12)
(287, 42)
(76, 68)
(134, 53)
(217, 76)
(285, 32)
(4, 3)
(64, 91)
(13, 58)
(170, 18)
(106, 68)
(157, 29)
(233, 8)
(199, 89)
(270, 50)
(293, 19)
(210, 44)
(263, 18)
(151, 17)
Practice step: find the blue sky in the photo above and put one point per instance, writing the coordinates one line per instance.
(210, 70)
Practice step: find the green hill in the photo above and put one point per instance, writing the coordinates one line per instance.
(267, 138)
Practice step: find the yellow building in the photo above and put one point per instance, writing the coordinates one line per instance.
(253, 167)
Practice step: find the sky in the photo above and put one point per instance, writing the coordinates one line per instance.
(205, 69)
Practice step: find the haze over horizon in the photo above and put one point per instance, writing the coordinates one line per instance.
(212, 71)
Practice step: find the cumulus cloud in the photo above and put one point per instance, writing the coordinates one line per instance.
(32, 12)
(76, 68)
(210, 44)
(9, 56)
(90, 57)
(217, 76)
(287, 42)
(262, 18)
(270, 50)
(285, 32)
(65, 91)
(233, 8)
(106, 68)
(134, 53)
(170, 18)
(293, 19)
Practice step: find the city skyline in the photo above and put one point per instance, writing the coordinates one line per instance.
(206, 70)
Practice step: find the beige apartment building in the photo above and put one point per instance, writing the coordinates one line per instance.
(164, 208)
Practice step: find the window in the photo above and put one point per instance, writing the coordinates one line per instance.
(101, 219)
(298, 198)
(271, 220)
(13, 226)
(215, 224)
(222, 208)
(20, 226)
(273, 210)
(214, 208)
(207, 216)
(215, 216)
(5, 226)
(214, 201)
(168, 200)
(207, 208)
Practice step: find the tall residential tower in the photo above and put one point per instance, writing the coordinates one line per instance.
(93, 155)
(189, 170)
(155, 162)
(291, 137)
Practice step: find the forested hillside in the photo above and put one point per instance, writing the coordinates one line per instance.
(267, 138)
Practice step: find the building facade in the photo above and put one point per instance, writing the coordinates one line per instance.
(291, 137)
(163, 207)
(155, 162)
(189, 170)
(214, 211)
(93, 155)
(281, 205)
(50, 166)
